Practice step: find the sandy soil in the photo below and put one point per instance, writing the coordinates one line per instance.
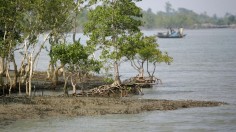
(16, 108)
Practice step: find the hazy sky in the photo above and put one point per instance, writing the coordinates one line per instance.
(218, 7)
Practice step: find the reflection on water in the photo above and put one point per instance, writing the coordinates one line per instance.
(203, 69)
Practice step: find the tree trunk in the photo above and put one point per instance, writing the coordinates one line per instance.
(116, 75)
(1, 80)
(19, 88)
(52, 74)
(154, 69)
(30, 75)
(55, 78)
(55, 75)
(141, 70)
(73, 83)
(49, 71)
(9, 77)
(15, 72)
(65, 86)
(1, 72)
(1, 75)
(26, 87)
(75, 23)
(148, 68)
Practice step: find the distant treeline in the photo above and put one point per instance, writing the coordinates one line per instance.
(185, 18)
(178, 18)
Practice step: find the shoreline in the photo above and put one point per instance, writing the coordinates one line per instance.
(13, 109)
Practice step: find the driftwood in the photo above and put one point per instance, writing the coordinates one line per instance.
(112, 91)
(143, 82)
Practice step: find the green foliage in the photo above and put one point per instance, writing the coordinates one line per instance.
(26, 19)
(109, 26)
(76, 57)
(109, 22)
(145, 48)
(56, 14)
(108, 80)
(113, 27)
(10, 16)
(148, 48)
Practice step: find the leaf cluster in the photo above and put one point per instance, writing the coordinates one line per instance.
(75, 56)
(144, 48)
(110, 23)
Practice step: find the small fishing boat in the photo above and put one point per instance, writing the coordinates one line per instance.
(171, 34)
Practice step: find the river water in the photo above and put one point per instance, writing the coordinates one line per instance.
(204, 68)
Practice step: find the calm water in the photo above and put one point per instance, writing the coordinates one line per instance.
(204, 68)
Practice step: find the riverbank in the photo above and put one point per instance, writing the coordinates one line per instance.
(17, 108)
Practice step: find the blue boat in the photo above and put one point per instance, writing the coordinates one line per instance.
(171, 34)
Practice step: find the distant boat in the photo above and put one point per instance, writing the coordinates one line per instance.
(171, 34)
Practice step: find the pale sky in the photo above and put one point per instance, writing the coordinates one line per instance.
(218, 7)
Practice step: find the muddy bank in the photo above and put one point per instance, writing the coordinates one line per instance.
(12, 109)
(41, 83)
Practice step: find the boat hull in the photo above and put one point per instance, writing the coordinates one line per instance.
(169, 36)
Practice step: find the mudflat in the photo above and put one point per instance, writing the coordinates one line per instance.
(16, 108)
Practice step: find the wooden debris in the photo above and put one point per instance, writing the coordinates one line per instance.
(112, 91)
(144, 82)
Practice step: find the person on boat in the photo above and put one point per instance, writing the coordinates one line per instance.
(180, 31)
(172, 31)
